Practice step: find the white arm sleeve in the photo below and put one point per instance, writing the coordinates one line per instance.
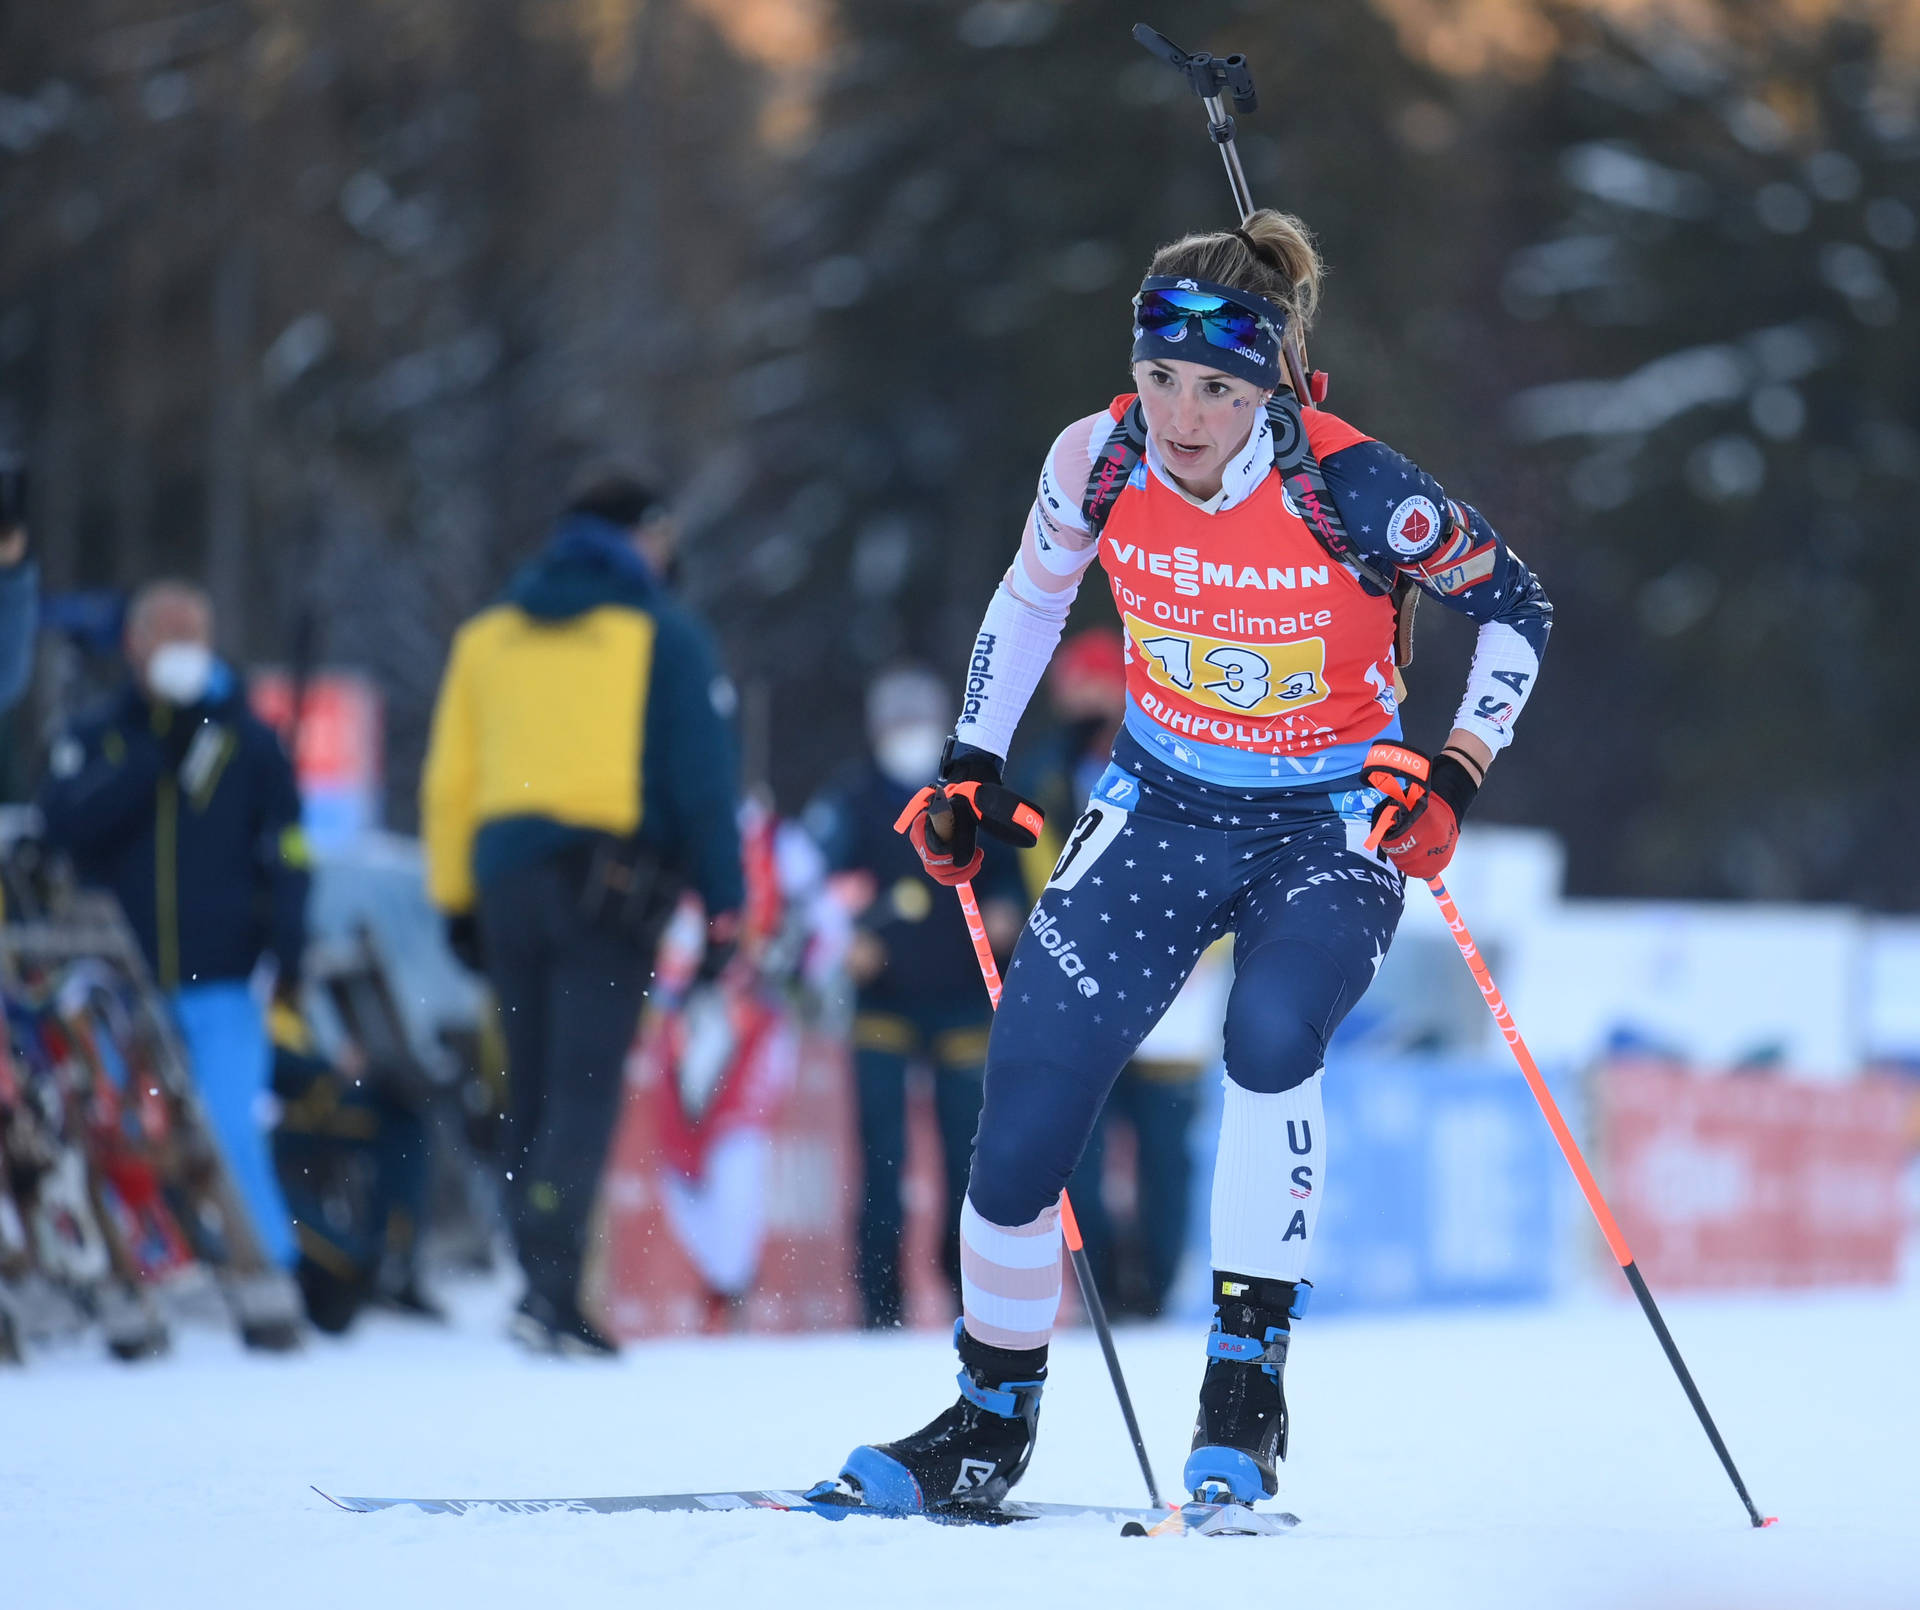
(1505, 666)
(1029, 608)
(1010, 655)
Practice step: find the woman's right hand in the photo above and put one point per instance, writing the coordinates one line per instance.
(944, 830)
(944, 820)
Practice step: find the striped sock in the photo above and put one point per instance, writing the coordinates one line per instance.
(1010, 1279)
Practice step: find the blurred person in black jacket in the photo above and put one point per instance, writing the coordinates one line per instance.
(179, 801)
(1087, 690)
(920, 1000)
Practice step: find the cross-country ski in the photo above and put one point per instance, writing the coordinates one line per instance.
(1205, 1520)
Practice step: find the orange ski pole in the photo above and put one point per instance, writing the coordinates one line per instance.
(1589, 1188)
(982, 946)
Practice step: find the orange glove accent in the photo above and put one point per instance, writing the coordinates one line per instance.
(955, 856)
(952, 859)
(1417, 825)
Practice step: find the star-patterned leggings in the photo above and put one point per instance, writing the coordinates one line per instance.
(1157, 868)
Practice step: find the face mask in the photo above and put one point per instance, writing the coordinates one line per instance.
(910, 755)
(178, 673)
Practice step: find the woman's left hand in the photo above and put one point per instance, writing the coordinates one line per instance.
(1418, 824)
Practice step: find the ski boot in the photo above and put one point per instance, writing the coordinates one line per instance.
(133, 1327)
(1242, 1430)
(972, 1454)
(408, 1298)
(542, 1325)
(332, 1299)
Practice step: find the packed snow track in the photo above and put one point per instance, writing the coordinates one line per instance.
(1537, 1458)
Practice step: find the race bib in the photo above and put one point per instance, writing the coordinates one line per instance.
(1244, 679)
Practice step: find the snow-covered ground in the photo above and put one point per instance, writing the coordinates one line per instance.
(1536, 1458)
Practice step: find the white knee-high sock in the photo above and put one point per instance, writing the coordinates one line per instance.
(1267, 1180)
(1010, 1278)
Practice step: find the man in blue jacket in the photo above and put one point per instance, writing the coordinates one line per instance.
(919, 996)
(181, 802)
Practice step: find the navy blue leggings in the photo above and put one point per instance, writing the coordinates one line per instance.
(1157, 868)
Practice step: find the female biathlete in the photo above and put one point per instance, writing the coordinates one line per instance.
(1260, 747)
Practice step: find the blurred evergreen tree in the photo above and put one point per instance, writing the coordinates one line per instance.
(1733, 264)
(323, 299)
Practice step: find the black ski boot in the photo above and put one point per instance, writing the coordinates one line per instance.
(408, 1298)
(972, 1454)
(542, 1325)
(332, 1300)
(1242, 1430)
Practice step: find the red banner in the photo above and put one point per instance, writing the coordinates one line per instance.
(1750, 1181)
(340, 725)
(809, 1172)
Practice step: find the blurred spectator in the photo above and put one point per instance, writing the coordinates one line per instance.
(1156, 1097)
(180, 802)
(580, 773)
(920, 999)
(1158, 1092)
(19, 588)
(1087, 687)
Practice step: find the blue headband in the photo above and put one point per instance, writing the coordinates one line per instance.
(1250, 352)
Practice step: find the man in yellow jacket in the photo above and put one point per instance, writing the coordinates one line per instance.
(581, 774)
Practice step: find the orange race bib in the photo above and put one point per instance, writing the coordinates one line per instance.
(1240, 630)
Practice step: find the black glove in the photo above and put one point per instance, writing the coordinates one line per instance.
(463, 939)
(1417, 825)
(969, 798)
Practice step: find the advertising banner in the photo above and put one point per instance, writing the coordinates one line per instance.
(1753, 1180)
(1442, 1186)
(336, 755)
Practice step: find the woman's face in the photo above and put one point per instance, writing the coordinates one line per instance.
(1197, 416)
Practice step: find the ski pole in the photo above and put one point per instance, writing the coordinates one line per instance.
(1069, 1225)
(982, 946)
(1569, 1149)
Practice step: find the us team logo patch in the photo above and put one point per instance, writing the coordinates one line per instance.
(1415, 528)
